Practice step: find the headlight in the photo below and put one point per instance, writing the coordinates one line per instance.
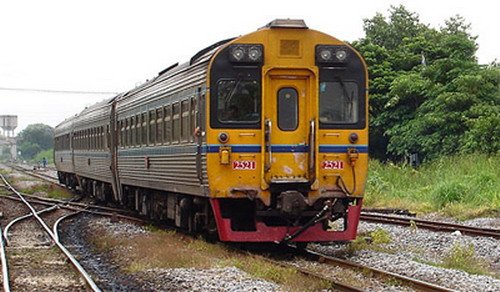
(238, 53)
(331, 54)
(246, 53)
(341, 55)
(254, 53)
(325, 55)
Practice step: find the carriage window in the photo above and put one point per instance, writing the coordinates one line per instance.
(288, 110)
(176, 127)
(144, 130)
(338, 102)
(167, 133)
(152, 127)
(238, 101)
(159, 125)
(185, 120)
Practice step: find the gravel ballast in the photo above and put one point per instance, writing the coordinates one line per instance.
(411, 252)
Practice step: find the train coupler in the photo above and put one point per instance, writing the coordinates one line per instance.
(324, 214)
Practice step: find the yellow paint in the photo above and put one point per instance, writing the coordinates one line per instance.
(297, 71)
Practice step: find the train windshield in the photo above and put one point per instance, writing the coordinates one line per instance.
(238, 101)
(338, 102)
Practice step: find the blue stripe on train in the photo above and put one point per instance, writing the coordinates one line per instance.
(281, 148)
(237, 148)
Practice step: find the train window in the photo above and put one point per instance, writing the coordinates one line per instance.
(288, 109)
(127, 132)
(101, 137)
(144, 130)
(192, 121)
(238, 101)
(176, 125)
(137, 130)
(152, 127)
(108, 137)
(159, 125)
(338, 102)
(167, 126)
(185, 120)
(132, 131)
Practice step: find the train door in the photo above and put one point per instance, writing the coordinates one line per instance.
(287, 126)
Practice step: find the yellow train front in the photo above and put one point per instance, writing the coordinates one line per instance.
(286, 136)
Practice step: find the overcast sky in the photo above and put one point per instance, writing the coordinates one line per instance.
(110, 46)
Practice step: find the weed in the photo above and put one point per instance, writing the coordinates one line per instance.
(380, 236)
(464, 258)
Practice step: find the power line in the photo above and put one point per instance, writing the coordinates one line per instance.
(56, 91)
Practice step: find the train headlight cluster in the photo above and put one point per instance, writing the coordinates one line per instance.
(331, 54)
(246, 53)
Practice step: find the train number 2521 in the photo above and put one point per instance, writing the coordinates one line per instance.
(244, 164)
(332, 164)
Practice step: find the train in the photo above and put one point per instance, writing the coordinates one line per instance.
(258, 138)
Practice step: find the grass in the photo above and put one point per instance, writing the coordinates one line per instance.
(464, 258)
(52, 191)
(372, 240)
(166, 249)
(463, 186)
(461, 257)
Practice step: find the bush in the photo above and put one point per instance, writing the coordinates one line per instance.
(48, 154)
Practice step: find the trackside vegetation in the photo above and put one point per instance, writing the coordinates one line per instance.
(463, 186)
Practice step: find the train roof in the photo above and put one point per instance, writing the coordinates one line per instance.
(203, 56)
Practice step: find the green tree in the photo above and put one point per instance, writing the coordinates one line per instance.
(35, 138)
(428, 94)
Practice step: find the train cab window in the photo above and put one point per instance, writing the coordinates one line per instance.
(338, 102)
(238, 101)
(288, 109)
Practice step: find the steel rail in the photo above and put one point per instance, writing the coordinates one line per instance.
(56, 224)
(425, 286)
(92, 285)
(433, 225)
(69, 206)
(336, 285)
(5, 266)
(35, 174)
(14, 221)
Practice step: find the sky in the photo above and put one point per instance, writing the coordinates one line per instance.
(109, 46)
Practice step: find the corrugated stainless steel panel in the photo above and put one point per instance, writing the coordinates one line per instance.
(170, 186)
(191, 78)
(99, 167)
(183, 70)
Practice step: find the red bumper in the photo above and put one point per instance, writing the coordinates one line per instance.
(264, 233)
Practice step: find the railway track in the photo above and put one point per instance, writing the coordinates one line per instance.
(37, 174)
(5, 262)
(432, 225)
(336, 263)
(407, 281)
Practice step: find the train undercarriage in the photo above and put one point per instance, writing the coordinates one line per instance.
(287, 219)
